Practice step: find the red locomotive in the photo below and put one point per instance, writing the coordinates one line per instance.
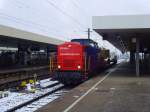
(76, 60)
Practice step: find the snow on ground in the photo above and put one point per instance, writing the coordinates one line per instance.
(122, 60)
(47, 82)
(16, 98)
(40, 103)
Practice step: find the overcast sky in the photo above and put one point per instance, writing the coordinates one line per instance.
(65, 19)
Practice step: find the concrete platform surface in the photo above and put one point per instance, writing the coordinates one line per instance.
(119, 91)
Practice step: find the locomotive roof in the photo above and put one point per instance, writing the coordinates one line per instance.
(87, 42)
(83, 40)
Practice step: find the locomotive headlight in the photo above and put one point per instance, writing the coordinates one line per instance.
(79, 66)
(59, 66)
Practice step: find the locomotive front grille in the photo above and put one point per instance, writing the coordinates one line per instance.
(69, 63)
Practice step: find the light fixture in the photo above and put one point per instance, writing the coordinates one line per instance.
(59, 66)
(79, 66)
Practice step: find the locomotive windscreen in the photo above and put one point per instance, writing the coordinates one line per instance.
(87, 42)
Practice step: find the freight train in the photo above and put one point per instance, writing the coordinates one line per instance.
(79, 59)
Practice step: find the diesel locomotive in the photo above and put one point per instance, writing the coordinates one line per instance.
(78, 60)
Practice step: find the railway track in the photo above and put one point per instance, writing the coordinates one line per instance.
(41, 102)
(9, 78)
(30, 102)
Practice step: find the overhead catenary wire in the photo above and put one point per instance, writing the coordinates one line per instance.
(42, 27)
(35, 10)
(65, 13)
(82, 9)
(56, 7)
(28, 23)
(51, 29)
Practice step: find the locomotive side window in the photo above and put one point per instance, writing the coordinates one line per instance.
(96, 45)
(92, 44)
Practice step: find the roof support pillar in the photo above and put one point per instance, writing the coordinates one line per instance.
(132, 57)
(137, 58)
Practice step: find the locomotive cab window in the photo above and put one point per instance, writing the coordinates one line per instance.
(87, 42)
(92, 44)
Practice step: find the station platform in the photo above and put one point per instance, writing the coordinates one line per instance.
(115, 90)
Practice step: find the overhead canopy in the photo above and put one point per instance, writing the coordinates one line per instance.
(122, 30)
(12, 37)
(14, 33)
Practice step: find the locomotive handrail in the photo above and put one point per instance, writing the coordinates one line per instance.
(50, 64)
(53, 63)
(89, 62)
(85, 63)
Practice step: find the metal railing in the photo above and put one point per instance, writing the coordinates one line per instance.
(53, 63)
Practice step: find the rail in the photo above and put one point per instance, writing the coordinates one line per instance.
(35, 99)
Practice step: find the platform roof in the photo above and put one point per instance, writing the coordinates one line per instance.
(121, 29)
(13, 33)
